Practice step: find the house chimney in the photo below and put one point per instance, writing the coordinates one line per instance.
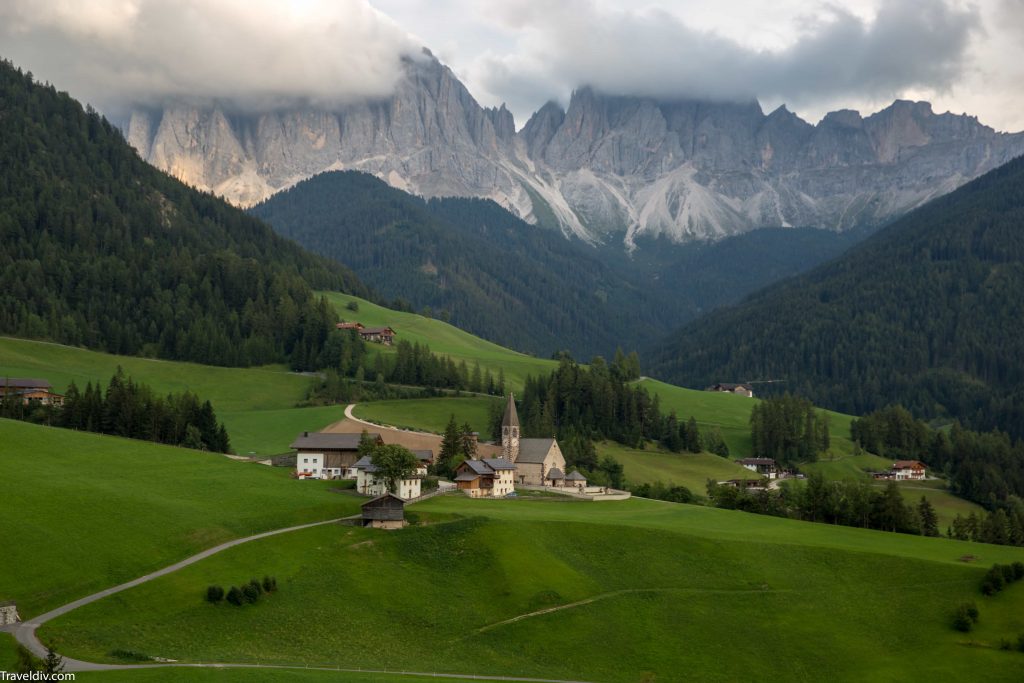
(305, 433)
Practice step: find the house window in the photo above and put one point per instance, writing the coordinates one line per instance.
(305, 460)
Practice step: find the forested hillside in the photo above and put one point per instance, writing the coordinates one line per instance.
(468, 260)
(99, 249)
(927, 313)
(481, 268)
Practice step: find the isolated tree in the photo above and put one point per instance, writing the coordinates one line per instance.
(467, 442)
(929, 520)
(214, 594)
(235, 596)
(394, 463)
(451, 447)
(54, 663)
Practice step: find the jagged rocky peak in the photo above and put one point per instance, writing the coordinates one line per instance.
(607, 166)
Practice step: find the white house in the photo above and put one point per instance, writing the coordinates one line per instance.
(908, 469)
(763, 466)
(369, 484)
(490, 477)
(325, 455)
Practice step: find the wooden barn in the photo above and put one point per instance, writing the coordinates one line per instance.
(384, 512)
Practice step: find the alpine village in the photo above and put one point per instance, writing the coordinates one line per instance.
(582, 342)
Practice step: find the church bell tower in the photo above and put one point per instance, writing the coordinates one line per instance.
(510, 431)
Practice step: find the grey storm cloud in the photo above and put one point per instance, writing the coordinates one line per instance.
(251, 52)
(651, 52)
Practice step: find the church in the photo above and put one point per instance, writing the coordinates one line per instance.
(539, 462)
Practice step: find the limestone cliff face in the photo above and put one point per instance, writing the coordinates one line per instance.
(606, 166)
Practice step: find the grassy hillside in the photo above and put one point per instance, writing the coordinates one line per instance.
(685, 469)
(444, 339)
(430, 415)
(473, 591)
(255, 404)
(85, 511)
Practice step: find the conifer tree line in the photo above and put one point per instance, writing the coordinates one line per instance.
(99, 249)
(849, 503)
(1004, 526)
(984, 467)
(788, 429)
(416, 364)
(129, 409)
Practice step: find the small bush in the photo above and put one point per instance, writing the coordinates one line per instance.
(993, 581)
(1018, 571)
(257, 586)
(130, 656)
(269, 584)
(235, 596)
(1009, 576)
(965, 617)
(214, 594)
(251, 593)
(1005, 644)
(352, 306)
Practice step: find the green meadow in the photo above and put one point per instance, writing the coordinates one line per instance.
(430, 415)
(691, 470)
(248, 675)
(629, 591)
(444, 339)
(84, 511)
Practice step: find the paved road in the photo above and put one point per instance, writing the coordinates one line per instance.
(25, 632)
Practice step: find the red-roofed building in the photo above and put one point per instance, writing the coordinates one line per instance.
(908, 469)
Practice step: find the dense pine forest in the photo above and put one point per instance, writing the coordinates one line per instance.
(99, 249)
(467, 260)
(926, 313)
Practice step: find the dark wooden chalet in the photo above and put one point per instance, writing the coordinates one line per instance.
(384, 512)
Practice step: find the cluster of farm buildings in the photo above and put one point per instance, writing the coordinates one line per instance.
(30, 391)
(532, 463)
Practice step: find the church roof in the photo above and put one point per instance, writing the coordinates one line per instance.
(534, 450)
(555, 473)
(511, 418)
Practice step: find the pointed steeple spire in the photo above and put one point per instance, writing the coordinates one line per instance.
(511, 418)
(510, 431)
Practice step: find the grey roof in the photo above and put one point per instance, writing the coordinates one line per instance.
(365, 463)
(328, 441)
(478, 466)
(376, 330)
(575, 476)
(423, 454)
(467, 476)
(555, 473)
(18, 383)
(534, 450)
(499, 464)
(383, 497)
(511, 418)
(756, 461)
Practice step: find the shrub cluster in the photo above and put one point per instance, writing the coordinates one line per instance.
(1001, 575)
(966, 617)
(249, 592)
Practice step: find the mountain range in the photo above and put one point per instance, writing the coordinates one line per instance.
(605, 169)
(926, 313)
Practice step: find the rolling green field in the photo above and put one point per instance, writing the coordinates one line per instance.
(644, 591)
(249, 675)
(84, 511)
(686, 469)
(444, 339)
(429, 415)
(731, 414)
(255, 404)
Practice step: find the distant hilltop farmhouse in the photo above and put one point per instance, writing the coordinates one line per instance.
(738, 389)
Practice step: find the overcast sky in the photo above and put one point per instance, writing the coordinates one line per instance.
(812, 56)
